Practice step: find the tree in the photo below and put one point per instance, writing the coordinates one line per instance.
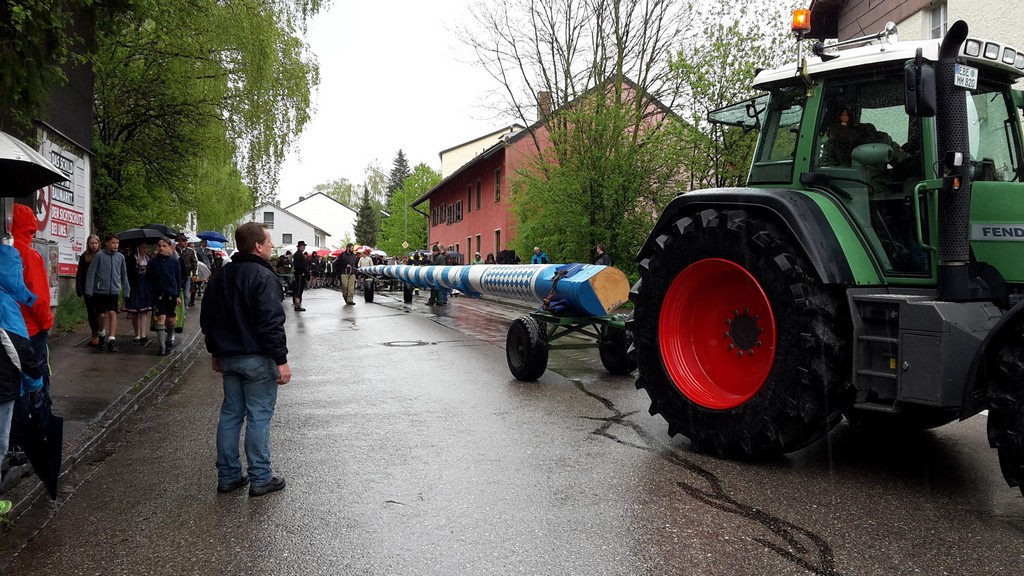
(341, 190)
(36, 39)
(376, 183)
(548, 53)
(177, 81)
(607, 163)
(393, 228)
(366, 221)
(594, 184)
(399, 172)
(716, 68)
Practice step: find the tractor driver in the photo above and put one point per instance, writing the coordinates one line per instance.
(845, 133)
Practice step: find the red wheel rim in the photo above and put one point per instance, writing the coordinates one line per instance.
(716, 332)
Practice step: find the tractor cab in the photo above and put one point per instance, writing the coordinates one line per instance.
(838, 126)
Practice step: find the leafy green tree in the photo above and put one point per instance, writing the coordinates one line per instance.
(399, 172)
(177, 80)
(597, 182)
(608, 162)
(36, 41)
(341, 190)
(366, 224)
(716, 68)
(402, 218)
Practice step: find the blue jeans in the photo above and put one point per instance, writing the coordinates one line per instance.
(250, 394)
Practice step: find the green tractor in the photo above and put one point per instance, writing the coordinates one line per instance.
(872, 268)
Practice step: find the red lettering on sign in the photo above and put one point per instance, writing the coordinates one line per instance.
(59, 229)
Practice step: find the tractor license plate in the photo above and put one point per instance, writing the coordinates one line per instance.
(965, 77)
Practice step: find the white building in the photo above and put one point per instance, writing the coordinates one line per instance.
(457, 156)
(337, 219)
(286, 228)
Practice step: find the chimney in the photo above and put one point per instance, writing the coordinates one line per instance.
(543, 105)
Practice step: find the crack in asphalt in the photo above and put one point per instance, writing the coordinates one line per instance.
(805, 548)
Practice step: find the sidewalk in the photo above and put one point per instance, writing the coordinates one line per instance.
(93, 390)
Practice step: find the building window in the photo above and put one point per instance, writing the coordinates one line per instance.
(286, 238)
(469, 198)
(478, 247)
(477, 194)
(497, 185)
(497, 241)
(268, 220)
(938, 21)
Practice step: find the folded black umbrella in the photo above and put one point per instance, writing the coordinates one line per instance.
(40, 434)
(148, 235)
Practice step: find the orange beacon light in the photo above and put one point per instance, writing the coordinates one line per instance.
(801, 20)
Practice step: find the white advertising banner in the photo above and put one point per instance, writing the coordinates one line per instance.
(62, 209)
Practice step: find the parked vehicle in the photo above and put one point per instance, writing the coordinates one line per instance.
(888, 289)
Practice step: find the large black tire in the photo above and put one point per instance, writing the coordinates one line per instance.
(368, 289)
(704, 343)
(1006, 405)
(614, 352)
(526, 349)
(407, 293)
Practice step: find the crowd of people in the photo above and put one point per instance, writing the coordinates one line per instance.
(302, 271)
(154, 280)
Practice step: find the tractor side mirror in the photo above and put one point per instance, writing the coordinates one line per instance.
(919, 88)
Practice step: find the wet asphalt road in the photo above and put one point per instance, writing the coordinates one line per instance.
(409, 449)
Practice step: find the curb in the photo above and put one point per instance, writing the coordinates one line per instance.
(28, 491)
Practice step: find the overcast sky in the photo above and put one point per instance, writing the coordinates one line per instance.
(393, 76)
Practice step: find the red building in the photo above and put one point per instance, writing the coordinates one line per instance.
(469, 210)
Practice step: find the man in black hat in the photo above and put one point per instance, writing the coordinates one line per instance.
(348, 265)
(300, 273)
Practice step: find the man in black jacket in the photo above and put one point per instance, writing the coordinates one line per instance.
(300, 274)
(243, 321)
(348, 265)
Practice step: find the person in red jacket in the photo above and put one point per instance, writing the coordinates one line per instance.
(38, 317)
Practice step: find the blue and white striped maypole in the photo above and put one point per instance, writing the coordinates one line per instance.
(583, 289)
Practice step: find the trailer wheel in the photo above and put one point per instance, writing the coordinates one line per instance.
(368, 289)
(526, 349)
(407, 293)
(1006, 407)
(614, 352)
(739, 345)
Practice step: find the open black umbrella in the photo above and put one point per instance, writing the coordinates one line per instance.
(24, 169)
(212, 235)
(164, 229)
(147, 235)
(41, 436)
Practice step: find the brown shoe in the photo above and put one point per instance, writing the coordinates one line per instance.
(95, 340)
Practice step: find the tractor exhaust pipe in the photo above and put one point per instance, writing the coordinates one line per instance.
(955, 155)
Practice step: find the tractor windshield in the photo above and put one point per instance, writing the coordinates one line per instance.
(994, 134)
(872, 152)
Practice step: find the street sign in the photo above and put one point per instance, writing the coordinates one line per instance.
(405, 245)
